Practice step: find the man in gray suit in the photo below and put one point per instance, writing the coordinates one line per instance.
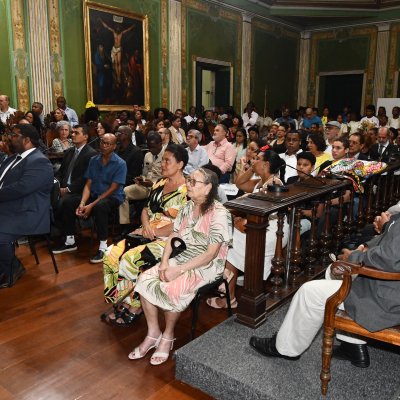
(372, 303)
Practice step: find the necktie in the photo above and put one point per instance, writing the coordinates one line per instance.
(380, 150)
(17, 159)
(71, 167)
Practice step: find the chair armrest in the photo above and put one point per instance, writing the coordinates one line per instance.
(342, 268)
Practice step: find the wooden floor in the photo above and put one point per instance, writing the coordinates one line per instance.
(54, 346)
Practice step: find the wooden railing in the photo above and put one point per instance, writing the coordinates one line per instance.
(291, 267)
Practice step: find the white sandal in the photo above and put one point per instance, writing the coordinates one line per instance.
(161, 354)
(135, 354)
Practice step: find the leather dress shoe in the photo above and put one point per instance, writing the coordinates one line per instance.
(266, 347)
(357, 354)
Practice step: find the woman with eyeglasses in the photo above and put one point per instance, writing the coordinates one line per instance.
(121, 269)
(205, 226)
(270, 169)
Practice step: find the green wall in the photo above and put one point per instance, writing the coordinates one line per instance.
(351, 54)
(72, 37)
(275, 67)
(7, 81)
(215, 39)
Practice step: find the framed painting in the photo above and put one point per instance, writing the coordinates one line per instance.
(117, 57)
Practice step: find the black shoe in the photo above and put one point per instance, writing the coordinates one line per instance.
(266, 347)
(98, 258)
(357, 354)
(65, 248)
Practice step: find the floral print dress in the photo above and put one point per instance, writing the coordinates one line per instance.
(121, 269)
(213, 227)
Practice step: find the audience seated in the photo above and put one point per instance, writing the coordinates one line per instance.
(279, 145)
(204, 225)
(64, 141)
(292, 143)
(317, 145)
(177, 133)
(167, 196)
(130, 153)
(102, 193)
(268, 167)
(69, 112)
(383, 149)
(221, 153)
(197, 154)
(152, 171)
(71, 173)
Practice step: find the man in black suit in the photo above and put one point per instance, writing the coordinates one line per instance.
(26, 182)
(356, 143)
(383, 150)
(71, 173)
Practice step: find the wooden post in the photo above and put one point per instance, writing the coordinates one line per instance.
(295, 254)
(312, 252)
(326, 237)
(277, 268)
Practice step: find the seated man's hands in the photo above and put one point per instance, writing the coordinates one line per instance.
(345, 255)
(381, 220)
(83, 211)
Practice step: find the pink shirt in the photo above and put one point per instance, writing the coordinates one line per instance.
(221, 154)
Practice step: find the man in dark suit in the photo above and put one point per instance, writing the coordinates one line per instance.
(73, 167)
(356, 143)
(26, 182)
(130, 153)
(372, 303)
(383, 150)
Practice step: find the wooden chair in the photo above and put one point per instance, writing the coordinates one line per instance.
(338, 319)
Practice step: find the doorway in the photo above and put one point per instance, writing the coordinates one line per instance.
(213, 83)
(337, 90)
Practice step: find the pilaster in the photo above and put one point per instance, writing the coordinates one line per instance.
(246, 59)
(175, 55)
(304, 65)
(381, 63)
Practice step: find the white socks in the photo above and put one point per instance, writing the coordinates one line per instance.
(70, 240)
(103, 245)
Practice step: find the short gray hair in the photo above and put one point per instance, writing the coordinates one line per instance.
(196, 133)
(125, 129)
(60, 124)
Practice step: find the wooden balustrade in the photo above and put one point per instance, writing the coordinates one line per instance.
(381, 191)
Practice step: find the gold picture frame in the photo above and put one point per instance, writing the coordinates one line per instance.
(117, 57)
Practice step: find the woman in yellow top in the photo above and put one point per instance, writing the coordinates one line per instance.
(317, 146)
(121, 270)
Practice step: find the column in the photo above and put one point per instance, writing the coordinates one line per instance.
(39, 53)
(175, 55)
(304, 66)
(382, 48)
(20, 56)
(246, 59)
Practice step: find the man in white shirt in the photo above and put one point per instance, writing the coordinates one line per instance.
(197, 155)
(70, 113)
(369, 120)
(250, 116)
(292, 142)
(5, 110)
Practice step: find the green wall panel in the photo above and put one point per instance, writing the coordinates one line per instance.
(351, 54)
(274, 67)
(398, 51)
(73, 50)
(214, 39)
(6, 77)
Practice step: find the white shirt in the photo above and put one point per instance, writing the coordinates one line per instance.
(6, 114)
(394, 123)
(292, 161)
(190, 119)
(247, 122)
(197, 158)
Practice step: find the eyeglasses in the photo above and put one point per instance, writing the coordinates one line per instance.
(192, 181)
(190, 137)
(107, 144)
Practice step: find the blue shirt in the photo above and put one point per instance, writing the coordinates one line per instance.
(314, 120)
(102, 176)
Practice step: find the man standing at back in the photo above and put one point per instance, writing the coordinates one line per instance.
(70, 113)
(25, 187)
(5, 110)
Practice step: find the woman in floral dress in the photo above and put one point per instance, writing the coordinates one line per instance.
(205, 227)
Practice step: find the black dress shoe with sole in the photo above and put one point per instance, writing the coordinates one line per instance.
(357, 354)
(98, 258)
(266, 347)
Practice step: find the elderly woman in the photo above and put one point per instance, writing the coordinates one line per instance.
(204, 225)
(167, 196)
(63, 142)
(269, 167)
